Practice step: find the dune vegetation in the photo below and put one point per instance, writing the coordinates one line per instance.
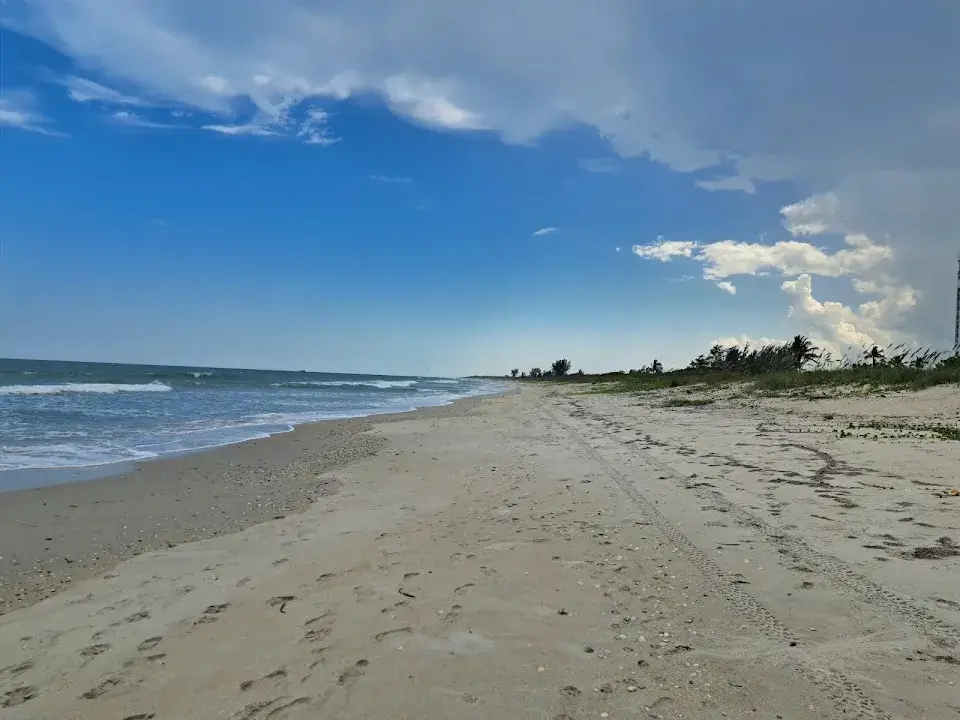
(777, 368)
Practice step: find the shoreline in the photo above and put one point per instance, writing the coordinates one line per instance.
(571, 555)
(14, 479)
(58, 534)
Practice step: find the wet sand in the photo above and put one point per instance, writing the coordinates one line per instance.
(54, 536)
(543, 554)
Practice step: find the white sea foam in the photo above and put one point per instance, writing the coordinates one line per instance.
(83, 388)
(379, 384)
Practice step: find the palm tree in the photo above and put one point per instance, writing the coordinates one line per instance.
(874, 354)
(514, 372)
(802, 350)
(561, 367)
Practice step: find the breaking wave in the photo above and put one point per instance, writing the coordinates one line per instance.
(380, 384)
(83, 388)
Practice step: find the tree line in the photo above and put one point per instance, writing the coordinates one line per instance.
(794, 356)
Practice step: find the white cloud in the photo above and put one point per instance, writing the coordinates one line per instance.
(866, 264)
(868, 90)
(605, 166)
(425, 103)
(666, 250)
(814, 216)
(545, 231)
(130, 119)
(392, 179)
(241, 130)
(82, 90)
(284, 120)
(790, 257)
(732, 183)
(18, 110)
(314, 131)
(743, 341)
(865, 108)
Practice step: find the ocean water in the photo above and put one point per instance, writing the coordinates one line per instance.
(73, 415)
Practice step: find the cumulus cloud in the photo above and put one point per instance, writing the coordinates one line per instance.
(837, 103)
(743, 341)
(545, 231)
(865, 109)
(865, 263)
(666, 250)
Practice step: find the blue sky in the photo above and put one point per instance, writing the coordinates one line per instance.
(359, 186)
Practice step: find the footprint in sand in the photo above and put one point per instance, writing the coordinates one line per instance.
(281, 601)
(350, 674)
(363, 593)
(453, 614)
(18, 696)
(273, 677)
(211, 613)
(142, 615)
(13, 670)
(317, 634)
(488, 571)
(274, 709)
(383, 635)
(105, 686)
(394, 607)
(149, 644)
(94, 650)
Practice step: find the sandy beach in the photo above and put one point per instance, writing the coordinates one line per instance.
(548, 553)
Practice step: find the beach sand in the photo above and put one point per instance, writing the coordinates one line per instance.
(541, 554)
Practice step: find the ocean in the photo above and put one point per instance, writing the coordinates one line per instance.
(74, 415)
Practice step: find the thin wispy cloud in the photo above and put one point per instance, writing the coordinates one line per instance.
(82, 90)
(729, 184)
(124, 117)
(18, 110)
(242, 130)
(604, 166)
(545, 231)
(392, 179)
(288, 120)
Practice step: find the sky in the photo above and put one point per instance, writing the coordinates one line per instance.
(424, 187)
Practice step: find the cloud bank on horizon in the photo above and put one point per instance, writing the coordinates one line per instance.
(854, 107)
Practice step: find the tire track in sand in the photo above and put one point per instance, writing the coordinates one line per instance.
(842, 577)
(846, 696)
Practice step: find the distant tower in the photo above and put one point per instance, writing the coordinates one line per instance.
(956, 322)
